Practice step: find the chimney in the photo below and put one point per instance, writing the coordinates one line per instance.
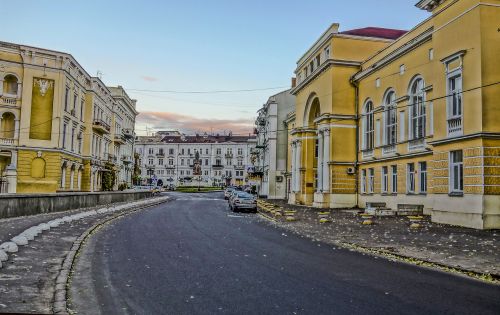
(294, 82)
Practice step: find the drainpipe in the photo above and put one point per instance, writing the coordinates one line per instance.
(356, 106)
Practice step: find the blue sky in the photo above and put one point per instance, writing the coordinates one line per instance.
(195, 46)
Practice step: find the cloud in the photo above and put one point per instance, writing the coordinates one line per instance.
(149, 79)
(190, 124)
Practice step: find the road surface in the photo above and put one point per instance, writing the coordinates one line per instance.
(193, 256)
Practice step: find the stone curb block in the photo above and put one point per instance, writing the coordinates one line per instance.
(9, 247)
(3, 256)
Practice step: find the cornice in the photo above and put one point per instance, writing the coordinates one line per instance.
(487, 135)
(402, 50)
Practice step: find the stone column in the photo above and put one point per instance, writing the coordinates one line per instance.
(13, 160)
(292, 168)
(298, 164)
(326, 159)
(19, 90)
(319, 168)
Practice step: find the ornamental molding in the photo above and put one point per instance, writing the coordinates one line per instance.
(44, 85)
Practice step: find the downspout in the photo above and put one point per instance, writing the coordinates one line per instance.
(286, 161)
(356, 106)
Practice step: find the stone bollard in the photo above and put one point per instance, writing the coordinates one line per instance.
(324, 217)
(415, 221)
(20, 240)
(367, 218)
(290, 215)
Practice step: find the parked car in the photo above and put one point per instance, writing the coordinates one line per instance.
(243, 201)
(227, 192)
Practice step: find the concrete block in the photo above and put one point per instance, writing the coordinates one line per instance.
(9, 247)
(3, 256)
(44, 226)
(20, 240)
(53, 223)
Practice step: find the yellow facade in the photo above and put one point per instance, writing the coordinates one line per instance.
(323, 139)
(425, 119)
(46, 113)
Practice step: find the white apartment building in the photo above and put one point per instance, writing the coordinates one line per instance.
(272, 144)
(168, 159)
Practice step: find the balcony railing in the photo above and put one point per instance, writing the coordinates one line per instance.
(8, 100)
(160, 154)
(229, 155)
(7, 141)
(101, 125)
(110, 157)
(416, 144)
(128, 133)
(119, 138)
(455, 126)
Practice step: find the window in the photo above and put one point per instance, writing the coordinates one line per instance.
(182, 172)
(151, 151)
(385, 179)
(218, 151)
(410, 178)
(423, 177)
(316, 148)
(456, 172)
(10, 85)
(368, 127)
(65, 126)
(160, 151)
(189, 151)
(377, 82)
(311, 67)
(170, 151)
(363, 181)
(206, 173)
(431, 54)
(371, 180)
(182, 151)
(82, 104)
(206, 161)
(240, 151)
(390, 118)
(206, 151)
(73, 139)
(218, 162)
(160, 161)
(402, 69)
(75, 99)
(182, 161)
(150, 161)
(170, 161)
(394, 181)
(327, 52)
(66, 99)
(454, 103)
(417, 110)
(318, 60)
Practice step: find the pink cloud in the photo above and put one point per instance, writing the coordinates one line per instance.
(191, 124)
(149, 79)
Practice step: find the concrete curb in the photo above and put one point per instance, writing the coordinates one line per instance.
(60, 303)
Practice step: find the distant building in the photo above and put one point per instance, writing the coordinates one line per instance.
(272, 144)
(167, 158)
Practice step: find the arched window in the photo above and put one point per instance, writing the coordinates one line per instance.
(10, 84)
(368, 126)
(7, 125)
(63, 176)
(417, 109)
(390, 118)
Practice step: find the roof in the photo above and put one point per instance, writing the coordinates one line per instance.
(378, 32)
(205, 138)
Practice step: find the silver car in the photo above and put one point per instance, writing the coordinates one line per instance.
(241, 200)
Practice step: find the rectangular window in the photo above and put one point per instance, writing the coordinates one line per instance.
(240, 151)
(371, 180)
(206, 151)
(182, 151)
(65, 126)
(151, 151)
(410, 178)
(455, 96)
(170, 151)
(171, 162)
(66, 99)
(73, 139)
(423, 177)
(456, 172)
(318, 60)
(75, 98)
(363, 181)
(394, 182)
(150, 161)
(160, 161)
(327, 52)
(385, 179)
(182, 161)
(206, 161)
(311, 67)
(82, 104)
(218, 151)
(189, 151)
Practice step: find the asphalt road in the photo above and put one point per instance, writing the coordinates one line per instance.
(193, 256)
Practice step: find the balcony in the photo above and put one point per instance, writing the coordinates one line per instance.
(416, 144)
(8, 141)
(455, 126)
(128, 133)
(101, 126)
(120, 139)
(110, 158)
(126, 159)
(228, 155)
(160, 154)
(6, 100)
(217, 166)
(239, 167)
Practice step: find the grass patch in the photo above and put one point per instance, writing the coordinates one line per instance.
(190, 189)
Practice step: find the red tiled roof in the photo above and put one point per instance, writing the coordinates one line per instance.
(379, 32)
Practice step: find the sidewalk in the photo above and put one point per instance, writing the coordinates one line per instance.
(461, 248)
(28, 277)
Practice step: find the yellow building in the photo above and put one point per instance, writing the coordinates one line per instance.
(429, 133)
(46, 110)
(323, 136)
